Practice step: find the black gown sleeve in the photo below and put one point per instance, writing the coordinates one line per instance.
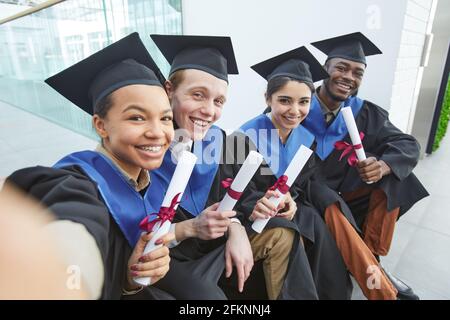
(302, 188)
(399, 150)
(318, 194)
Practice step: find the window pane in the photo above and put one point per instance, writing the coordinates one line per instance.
(39, 45)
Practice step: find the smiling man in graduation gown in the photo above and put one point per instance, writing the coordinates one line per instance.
(391, 154)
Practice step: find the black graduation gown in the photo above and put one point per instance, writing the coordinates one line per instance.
(197, 265)
(71, 195)
(330, 276)
(385, 142)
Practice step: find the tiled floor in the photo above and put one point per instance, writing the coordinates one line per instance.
(420, 253)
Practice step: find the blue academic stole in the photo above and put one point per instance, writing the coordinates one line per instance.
(277, 155)
(327, 137)
(124, 203)
(208, 152)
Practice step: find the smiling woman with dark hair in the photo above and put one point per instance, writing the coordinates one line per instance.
(277, 135)
(99, 197)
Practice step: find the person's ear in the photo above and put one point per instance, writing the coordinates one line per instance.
(168, 86)
(99, 126)
(268, 100)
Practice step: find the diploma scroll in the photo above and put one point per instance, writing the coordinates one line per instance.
(290, 175)
(178, 183)
(240, 182)
(354, 134)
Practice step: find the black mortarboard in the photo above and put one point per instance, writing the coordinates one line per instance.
(122, 63)
(354, 46)
(299, 64)
(213, 55)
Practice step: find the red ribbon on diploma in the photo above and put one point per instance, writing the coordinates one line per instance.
(164, 214)
(281, 185)
(349, 149)
(226, 183)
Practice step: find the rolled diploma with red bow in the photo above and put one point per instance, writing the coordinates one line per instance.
(178, 183)
(292, 172)
(353, 132)
(243, 177)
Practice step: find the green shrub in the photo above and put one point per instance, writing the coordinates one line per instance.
(443, 119)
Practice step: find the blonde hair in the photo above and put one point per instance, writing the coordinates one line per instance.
(176, 78)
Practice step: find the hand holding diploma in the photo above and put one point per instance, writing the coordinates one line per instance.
(281, 187)
(214, 221)
(371, 170)
(154, 264)
(264, 209)
(161, 225)
(356, 150)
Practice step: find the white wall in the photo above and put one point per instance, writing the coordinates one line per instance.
(261, 29)
(408, 73)
(433, 73)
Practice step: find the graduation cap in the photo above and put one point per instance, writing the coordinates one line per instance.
(213, 55)
(354, 46)
(299, 64)
(122, 63)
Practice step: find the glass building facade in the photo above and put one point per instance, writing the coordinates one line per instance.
(40, 45)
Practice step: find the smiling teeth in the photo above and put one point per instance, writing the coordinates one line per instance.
(344, 86)
(151, 148)
(200, 123)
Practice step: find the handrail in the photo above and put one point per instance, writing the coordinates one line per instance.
(27, 12)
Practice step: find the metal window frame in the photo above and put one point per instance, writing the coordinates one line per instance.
(27, 12)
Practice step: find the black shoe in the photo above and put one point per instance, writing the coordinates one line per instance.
(404, 291)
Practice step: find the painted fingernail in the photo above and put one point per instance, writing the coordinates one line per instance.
(134, 274)
(159, 241)
(142, 259)
(134, 267)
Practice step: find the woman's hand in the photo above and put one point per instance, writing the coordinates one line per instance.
(154, 264)
(264, 209)
(288, 208)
